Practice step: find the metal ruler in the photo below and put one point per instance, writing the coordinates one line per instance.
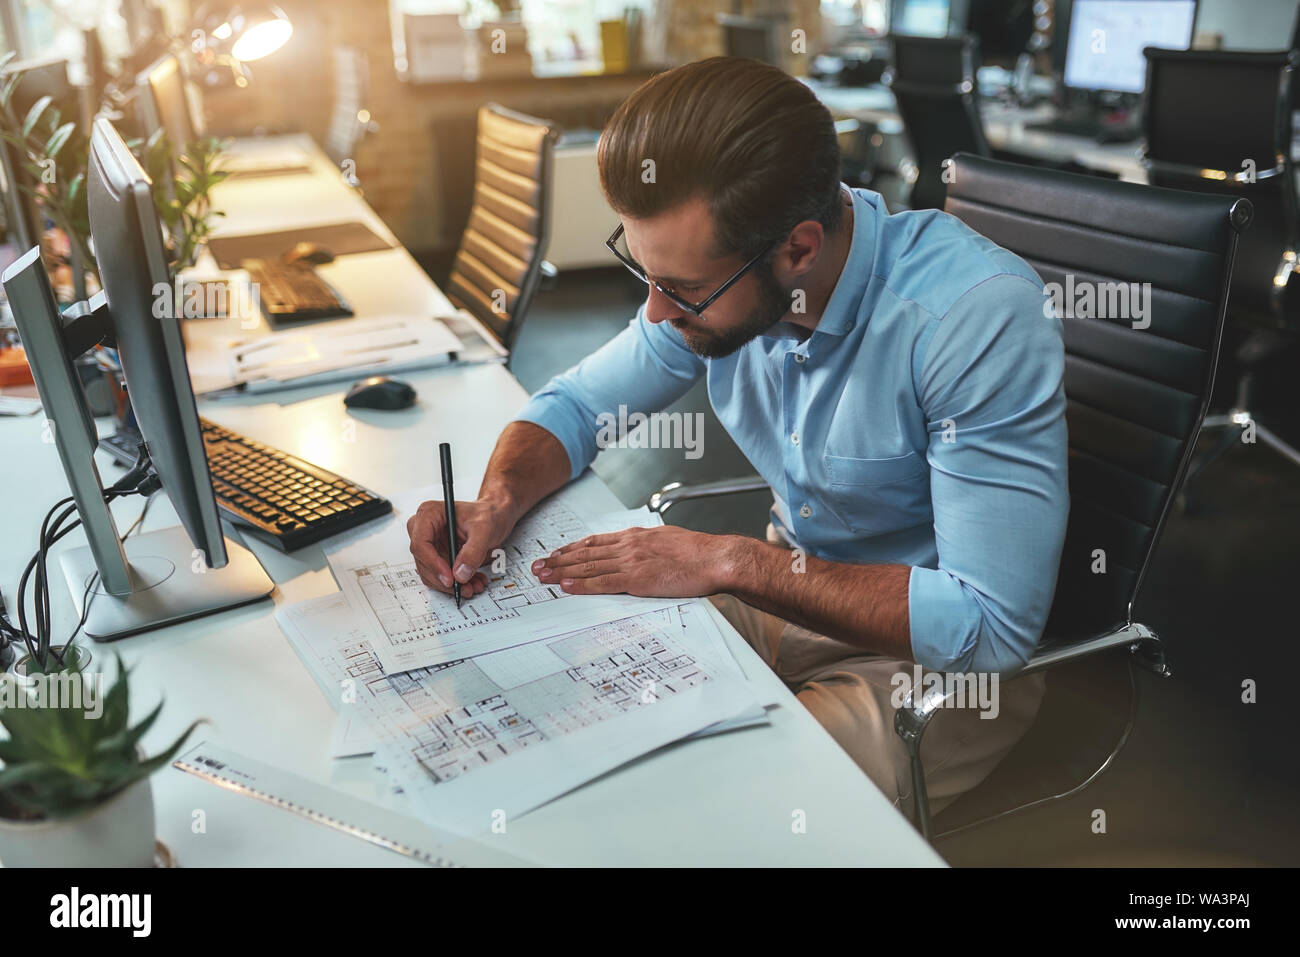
(287, 791)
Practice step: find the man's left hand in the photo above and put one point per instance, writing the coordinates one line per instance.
(661, 562)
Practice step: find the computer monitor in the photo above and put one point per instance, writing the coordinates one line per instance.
(922, 18)
(164, 103)
(176, 573)
(36, 79)
(1107, 37)
(749, 37)
(40, 78)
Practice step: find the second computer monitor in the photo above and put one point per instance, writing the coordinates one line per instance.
(133, 267)
(1107, 38)
(922, 18)
(164, 104)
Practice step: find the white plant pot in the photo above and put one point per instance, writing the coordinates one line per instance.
(117, 833)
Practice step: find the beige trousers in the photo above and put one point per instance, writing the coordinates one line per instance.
(852, 694)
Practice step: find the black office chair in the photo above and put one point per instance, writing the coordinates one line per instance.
(933, 81)
(501, 257)
(1135, 398)
(1220, 122)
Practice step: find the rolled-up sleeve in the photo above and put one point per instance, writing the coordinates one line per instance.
(644, 368)
(990, 382)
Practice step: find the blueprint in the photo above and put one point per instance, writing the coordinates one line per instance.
(510, 730)
(415, 626)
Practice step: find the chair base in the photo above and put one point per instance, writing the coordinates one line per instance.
(1233, 428)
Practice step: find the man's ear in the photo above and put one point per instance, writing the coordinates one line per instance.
(800, 251)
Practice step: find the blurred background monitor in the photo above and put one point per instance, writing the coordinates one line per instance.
(164, 103)
(37, 79)
(749, 37)
(1106, 39)
(927, 18)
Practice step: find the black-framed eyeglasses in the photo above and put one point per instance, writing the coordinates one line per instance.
(696, 308)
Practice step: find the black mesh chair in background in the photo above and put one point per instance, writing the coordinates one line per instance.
(933, 81)
(1221, 122)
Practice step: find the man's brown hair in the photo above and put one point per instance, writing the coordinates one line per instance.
(750, 138)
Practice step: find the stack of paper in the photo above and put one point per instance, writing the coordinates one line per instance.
(523, 693)
(324, 352)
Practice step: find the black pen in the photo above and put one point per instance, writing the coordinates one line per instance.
(449, 500)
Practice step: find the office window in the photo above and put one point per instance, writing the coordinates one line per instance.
(42, 29)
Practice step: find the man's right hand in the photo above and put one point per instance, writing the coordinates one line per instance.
(481, 526)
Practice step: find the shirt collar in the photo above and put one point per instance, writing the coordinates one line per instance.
(841, 312)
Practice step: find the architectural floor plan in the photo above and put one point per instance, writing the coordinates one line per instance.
(561, 710)
(416, 626)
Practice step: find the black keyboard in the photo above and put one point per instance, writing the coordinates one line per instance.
(290, 292)
(284, 500)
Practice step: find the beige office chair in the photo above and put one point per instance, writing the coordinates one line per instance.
(500, 260)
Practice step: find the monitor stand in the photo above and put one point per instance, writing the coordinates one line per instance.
(170, 583)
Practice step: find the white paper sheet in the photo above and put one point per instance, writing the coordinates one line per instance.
(414, 626)
(509, 731)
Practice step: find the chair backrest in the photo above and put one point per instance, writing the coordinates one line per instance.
(1220, 122)
(349, 123)
(498, 265)
(1136, 386)
(933, 81)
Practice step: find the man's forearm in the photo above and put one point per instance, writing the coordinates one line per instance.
(861, 605)
(528, 464)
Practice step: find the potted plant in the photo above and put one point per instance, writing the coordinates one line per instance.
(184, 201)
(74, 786)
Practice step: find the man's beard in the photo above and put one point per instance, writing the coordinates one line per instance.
(773, 303)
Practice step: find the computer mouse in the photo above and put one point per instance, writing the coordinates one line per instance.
(309, 253)
(380, 392)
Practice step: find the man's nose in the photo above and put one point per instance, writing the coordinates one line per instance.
(659, 308)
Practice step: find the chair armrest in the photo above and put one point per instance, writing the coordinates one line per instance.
(914, 715)
(1139, 639)
(671, 494)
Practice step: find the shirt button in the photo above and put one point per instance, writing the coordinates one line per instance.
(794, 437)
(799, 357)
(805, 511)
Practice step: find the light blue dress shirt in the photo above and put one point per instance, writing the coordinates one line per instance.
(922, 424)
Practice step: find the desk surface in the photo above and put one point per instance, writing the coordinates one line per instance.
(730, 799)
(1004, 126)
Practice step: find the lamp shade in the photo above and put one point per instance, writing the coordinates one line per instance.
(249, 30)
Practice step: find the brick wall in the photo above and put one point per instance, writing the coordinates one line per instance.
(400, 168)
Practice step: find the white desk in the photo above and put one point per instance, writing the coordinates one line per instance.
(1005, 128)
(729, 799)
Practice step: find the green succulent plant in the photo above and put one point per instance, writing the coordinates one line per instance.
(60, 761)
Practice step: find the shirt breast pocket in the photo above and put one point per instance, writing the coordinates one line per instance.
(877, 496)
